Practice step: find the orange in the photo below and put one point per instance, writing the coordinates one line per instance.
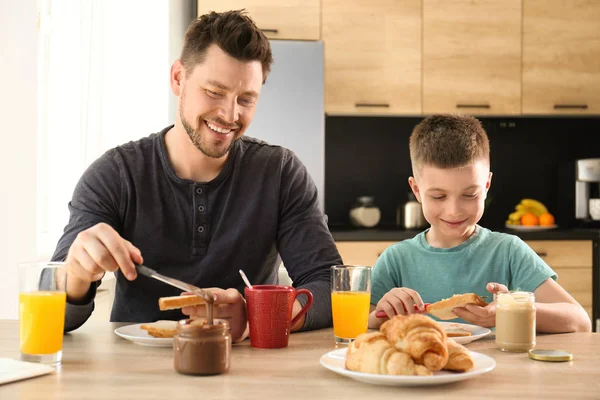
(546, 219)
(530, 219)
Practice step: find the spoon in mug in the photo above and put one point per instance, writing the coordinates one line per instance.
(245, 278)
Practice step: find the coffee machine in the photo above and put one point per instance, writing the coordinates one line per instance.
(587, 186)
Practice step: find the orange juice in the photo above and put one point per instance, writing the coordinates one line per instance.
(350, 313)
(41, 321)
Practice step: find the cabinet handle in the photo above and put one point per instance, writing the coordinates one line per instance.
(541, 253)
(570, 106)
(270, 30)
(472, 105)
(383, 105)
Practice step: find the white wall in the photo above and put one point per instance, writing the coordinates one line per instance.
(18, 148)
(18, 113)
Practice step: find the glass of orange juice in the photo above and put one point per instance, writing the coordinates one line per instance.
(42, 302)
(350, 301)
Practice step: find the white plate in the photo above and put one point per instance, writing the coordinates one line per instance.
(477, 332)
(527, 228)
(139, 336)
(336, 360)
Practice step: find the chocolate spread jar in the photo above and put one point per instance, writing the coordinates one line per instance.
(200, 348)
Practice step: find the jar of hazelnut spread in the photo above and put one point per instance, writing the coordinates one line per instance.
(515, 321)
(200, 348)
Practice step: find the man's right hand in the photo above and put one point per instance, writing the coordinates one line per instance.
(95, 251)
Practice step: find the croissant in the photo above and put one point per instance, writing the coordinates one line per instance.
(372, 353)
(419, 336)
(459, 358)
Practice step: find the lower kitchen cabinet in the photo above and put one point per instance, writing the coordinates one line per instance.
(361, 253)
(572, 260)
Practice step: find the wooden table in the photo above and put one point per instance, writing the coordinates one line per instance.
(97, 364)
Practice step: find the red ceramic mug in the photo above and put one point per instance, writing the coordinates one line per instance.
(269, 310)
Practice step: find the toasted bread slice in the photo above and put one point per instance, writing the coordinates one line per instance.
(160, 328)
(173, 302)
(443, 309)
(455, 330)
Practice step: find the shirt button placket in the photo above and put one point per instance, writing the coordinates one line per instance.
(201, 217)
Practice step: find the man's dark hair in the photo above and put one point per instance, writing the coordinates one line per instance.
(234, 32)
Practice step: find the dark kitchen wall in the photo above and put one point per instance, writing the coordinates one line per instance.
(530, 157)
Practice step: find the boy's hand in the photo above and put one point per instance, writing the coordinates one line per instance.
(400, 301)
(482, 316)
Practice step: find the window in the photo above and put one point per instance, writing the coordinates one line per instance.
(103, 80)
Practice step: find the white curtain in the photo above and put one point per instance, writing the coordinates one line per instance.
(103, 81)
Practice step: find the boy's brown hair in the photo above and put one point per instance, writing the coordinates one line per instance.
(448, 141)
(234, 32)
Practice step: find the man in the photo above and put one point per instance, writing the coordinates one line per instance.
(198, 201)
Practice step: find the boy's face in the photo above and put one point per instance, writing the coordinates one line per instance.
(452, 199)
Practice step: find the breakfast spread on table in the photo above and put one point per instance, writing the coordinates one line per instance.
(407, 345)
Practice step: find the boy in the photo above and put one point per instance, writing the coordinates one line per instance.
(451, 167)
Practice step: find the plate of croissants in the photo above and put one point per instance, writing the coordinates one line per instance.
(411, 350)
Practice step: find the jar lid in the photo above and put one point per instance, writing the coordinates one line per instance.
(550, 355)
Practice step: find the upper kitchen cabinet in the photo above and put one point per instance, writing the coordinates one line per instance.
(372, 56)
(561, 57)
(291, 19)
(472, 56)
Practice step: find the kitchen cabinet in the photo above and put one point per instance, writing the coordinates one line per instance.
(361, 253)
(472, 56)
(372, 56)
(291, 19)
(561, 57)
(572, 260)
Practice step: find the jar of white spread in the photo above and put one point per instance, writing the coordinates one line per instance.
(515, 321)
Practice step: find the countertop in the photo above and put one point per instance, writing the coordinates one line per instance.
(97, 364)
(395, 234)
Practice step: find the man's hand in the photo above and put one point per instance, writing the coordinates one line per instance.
(482, 316)
(229, 305)
(95, 251)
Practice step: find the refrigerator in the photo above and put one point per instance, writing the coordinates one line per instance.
(290, 110)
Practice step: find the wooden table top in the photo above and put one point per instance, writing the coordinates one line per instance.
(98, 364)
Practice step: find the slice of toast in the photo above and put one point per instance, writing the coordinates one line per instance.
(455, 330)
(443, 309)
(160, 328)
(173, 302)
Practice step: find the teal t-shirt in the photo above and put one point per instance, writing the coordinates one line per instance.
(437, 274)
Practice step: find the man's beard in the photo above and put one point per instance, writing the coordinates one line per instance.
(198, 140)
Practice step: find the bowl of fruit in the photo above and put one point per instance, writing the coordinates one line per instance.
(530, 215)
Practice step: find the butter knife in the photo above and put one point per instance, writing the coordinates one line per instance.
(150, 273)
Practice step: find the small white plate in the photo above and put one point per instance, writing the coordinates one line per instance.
(139, 336)
(336, 360)
(528, 228)
(477, 332)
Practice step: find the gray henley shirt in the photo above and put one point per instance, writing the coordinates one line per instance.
(261, 209)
